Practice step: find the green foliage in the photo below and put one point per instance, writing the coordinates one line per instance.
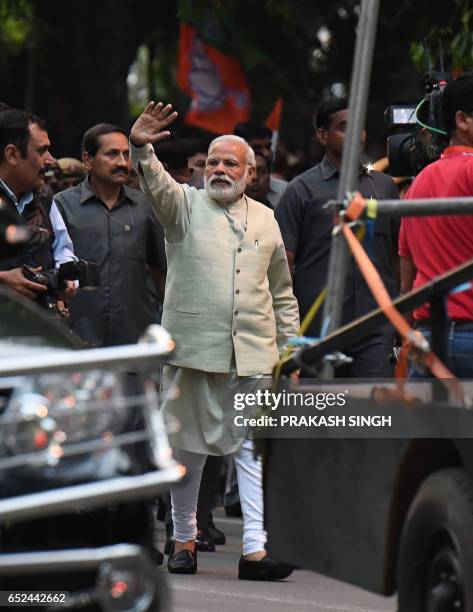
(196, 10)
(15, 26)
(152, 77)
(462, 44)
(456, 38)
(418, 51)
(297, 50)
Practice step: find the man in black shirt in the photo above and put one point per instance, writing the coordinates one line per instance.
(113, 225)
(306, 229)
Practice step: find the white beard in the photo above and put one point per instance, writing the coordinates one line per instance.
(225, 194)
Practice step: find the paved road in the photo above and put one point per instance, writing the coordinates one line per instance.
(216, 588)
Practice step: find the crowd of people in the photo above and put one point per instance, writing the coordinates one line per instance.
(234, 257)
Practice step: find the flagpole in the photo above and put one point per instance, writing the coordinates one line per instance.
(359, 88)
(274, 142)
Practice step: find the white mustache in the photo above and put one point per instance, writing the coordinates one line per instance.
(224, 179)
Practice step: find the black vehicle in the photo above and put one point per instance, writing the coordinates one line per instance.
(83, 450)
(389, 511)
(386, 515)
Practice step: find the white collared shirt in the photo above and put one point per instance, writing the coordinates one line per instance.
(62, 247)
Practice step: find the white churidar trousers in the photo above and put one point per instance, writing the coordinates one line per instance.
(184, 496)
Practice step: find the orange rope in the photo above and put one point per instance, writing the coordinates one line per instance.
(402, 367)
(382, 297)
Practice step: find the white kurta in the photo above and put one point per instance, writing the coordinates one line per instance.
(203, 412)
(224, 295)
(229, 304)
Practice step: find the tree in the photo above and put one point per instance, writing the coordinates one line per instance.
(70, 61)
(82, 52)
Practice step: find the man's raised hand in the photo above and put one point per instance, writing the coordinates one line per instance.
(150, 124)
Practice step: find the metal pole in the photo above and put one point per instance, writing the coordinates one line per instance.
(76, 559)
(412, 208)
(128, 356)
(359, 87)
(89, 495)
(425, 208)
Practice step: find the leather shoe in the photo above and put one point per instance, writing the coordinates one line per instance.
(265, 569)
(183, 562)
(213, 533)
(204, 543)
(157, 556)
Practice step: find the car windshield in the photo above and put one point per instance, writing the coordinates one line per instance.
(25, 326)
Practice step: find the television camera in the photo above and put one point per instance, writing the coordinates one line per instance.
(410, 151)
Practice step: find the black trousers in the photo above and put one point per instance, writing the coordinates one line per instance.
(208, 489)
(370, 358)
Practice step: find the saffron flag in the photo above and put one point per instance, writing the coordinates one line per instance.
(216, 83)
(273, 122)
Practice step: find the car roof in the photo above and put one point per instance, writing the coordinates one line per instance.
(25, 327)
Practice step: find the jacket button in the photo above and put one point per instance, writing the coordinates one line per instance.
(237, 291)
(238, 271)
(236, 312)
(234, 332)
(239, 250)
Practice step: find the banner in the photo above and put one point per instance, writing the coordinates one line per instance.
(216, 83)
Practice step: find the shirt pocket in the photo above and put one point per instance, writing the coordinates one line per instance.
(255, 260)
(184, 311)
(134, 236)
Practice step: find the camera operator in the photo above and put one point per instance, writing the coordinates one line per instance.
(430, 246)
(24, 153)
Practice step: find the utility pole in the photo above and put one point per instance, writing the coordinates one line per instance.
(359, 88)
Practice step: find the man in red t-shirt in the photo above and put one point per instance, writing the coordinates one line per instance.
(430, 246)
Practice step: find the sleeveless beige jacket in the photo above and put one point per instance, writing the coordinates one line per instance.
(222, 295)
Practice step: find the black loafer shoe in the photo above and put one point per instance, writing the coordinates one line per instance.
(157, 556)
(204, 543)
(213, 533)
(265, 569)
(183, 562)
